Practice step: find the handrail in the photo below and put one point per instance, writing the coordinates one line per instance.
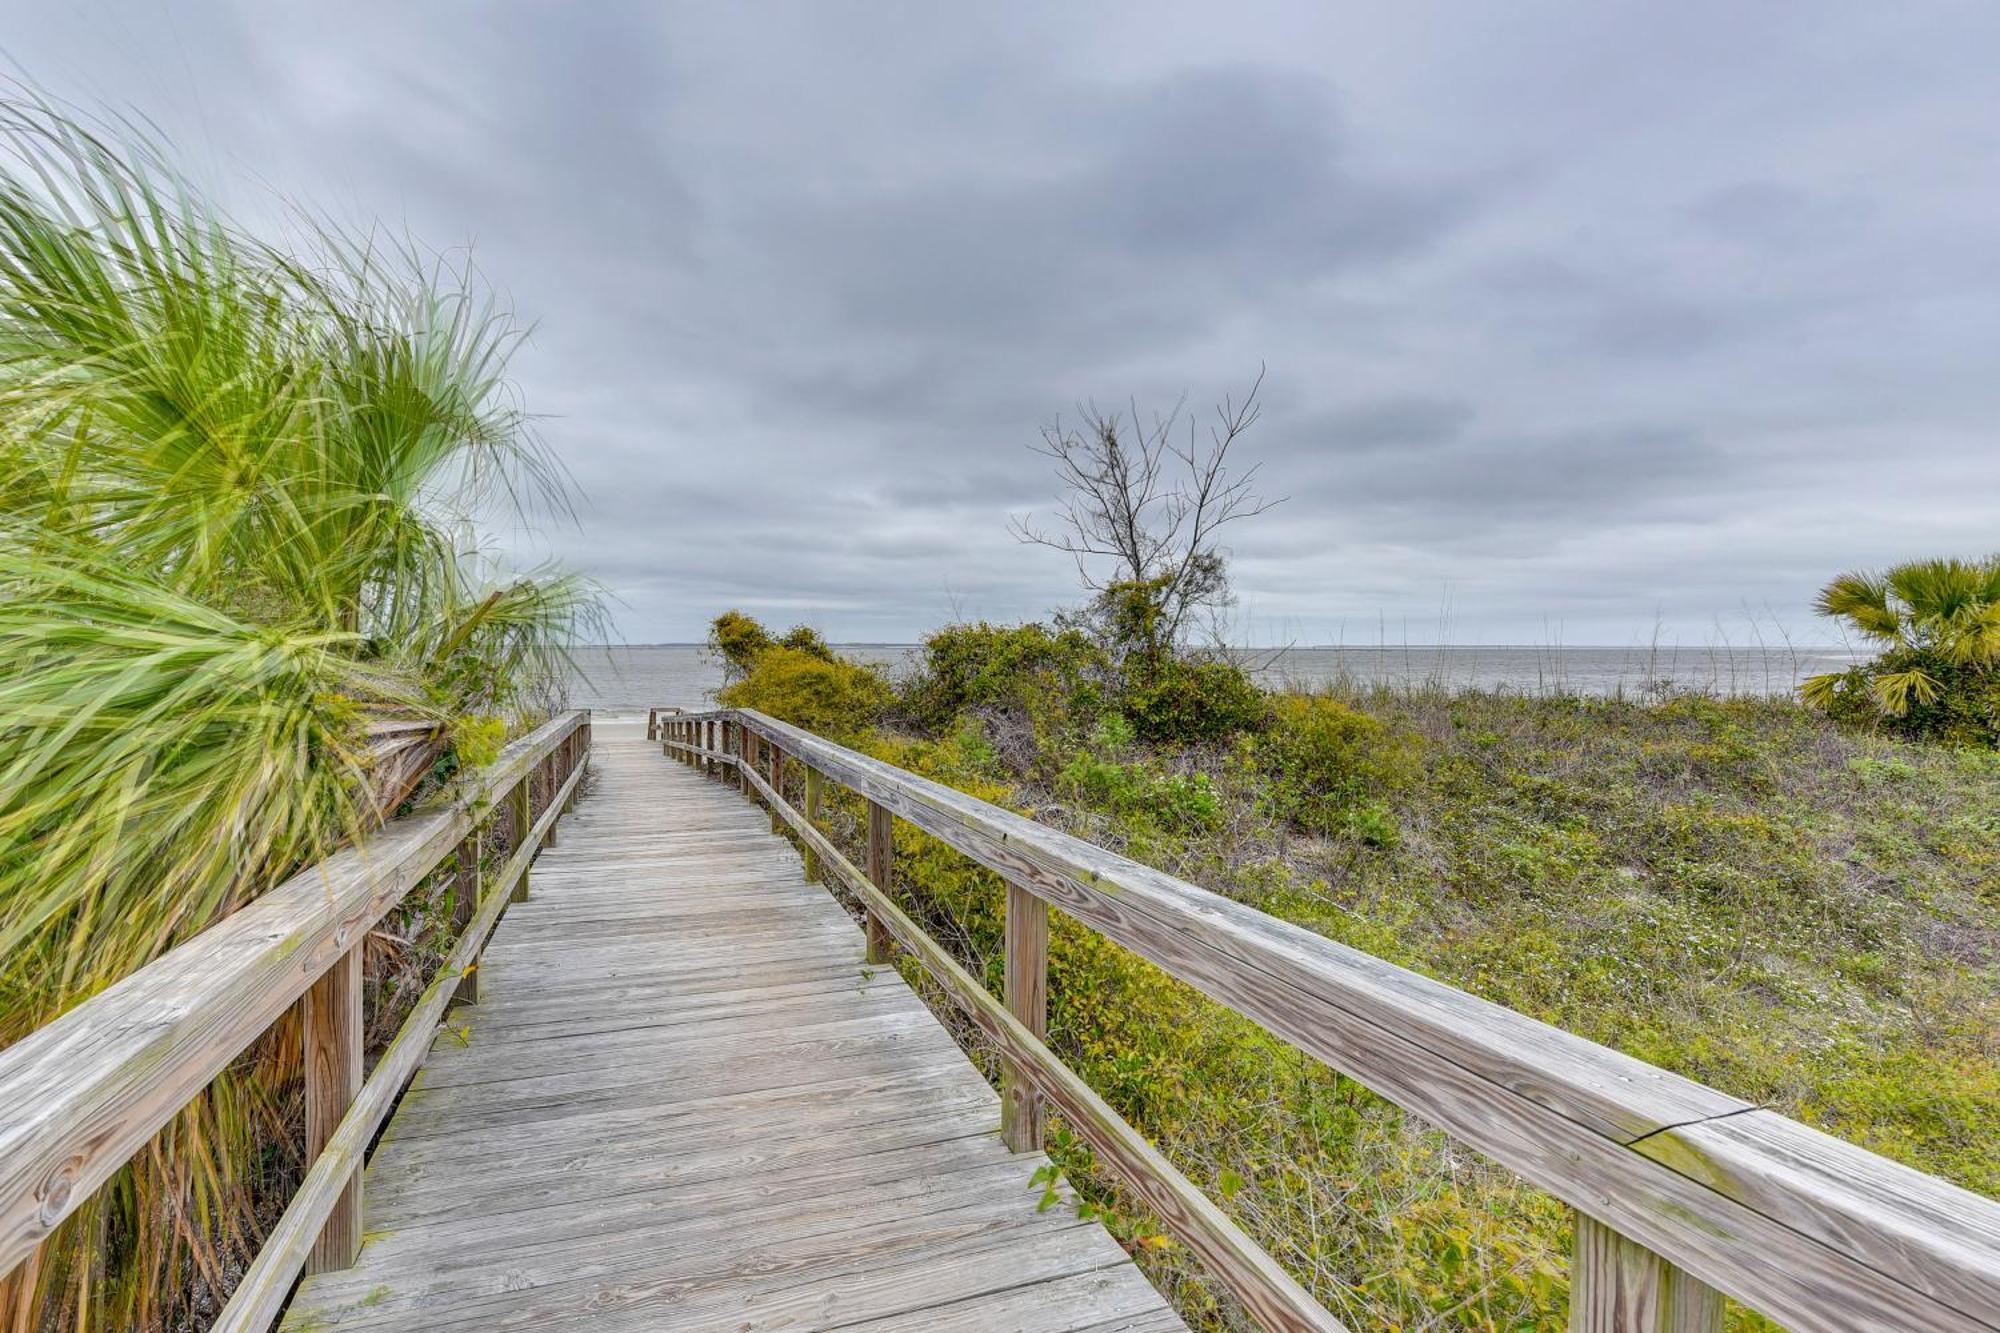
(87, 1090)
(1682, 1191)
(657, 714)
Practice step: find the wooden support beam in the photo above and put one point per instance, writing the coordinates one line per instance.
(333, 1045)
(517, 804)
(464, 902)
(551, 775)
(101, 1080)
(254, 1304)
(1028, 1001)
(814, 790)
(881, 873)
(777, 775)
(1617, 1285)
(18, 1307)
(1274, 1299)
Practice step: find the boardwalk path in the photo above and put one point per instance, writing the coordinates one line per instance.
(683, 1102)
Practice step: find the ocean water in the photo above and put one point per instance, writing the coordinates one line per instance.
(622, 679)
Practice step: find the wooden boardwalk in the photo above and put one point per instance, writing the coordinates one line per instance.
(684, 1102)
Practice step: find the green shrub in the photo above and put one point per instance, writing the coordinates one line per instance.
(1938, 677)
(1185, 802)
(836, 698)
(1177, 700)
(1330, 768)
(739, 640)
(1957, 703)
(807, 640)
(1057, 677)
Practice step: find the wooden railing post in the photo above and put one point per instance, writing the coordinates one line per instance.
(814, 784)
(708, 730)
(777, 780)
(464, 902)
(17, 1296)
(332, 1030)
(551, 782)
(881, 873)
(524, 823)
(1027, 1000)
(1617, 1285)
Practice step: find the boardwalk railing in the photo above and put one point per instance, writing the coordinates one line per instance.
(1683, 1195)
(81, 1095)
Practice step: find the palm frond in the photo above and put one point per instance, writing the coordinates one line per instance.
(1895, 691)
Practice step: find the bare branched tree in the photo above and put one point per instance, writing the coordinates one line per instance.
(1140, 513)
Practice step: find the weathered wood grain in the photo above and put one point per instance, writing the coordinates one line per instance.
(85, 1092)
(520, 821)
(1252, 1276)
(814, 795)
(776, 777)
(1619, 1139)
(465, 893)
(286, 1250)
(881, 847)
(331, 1033)
(1027, 984)
(1617, 1285)
(685, 1101)
(18, 1312)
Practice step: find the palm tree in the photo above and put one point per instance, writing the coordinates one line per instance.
(237, 623)
(1925, 614)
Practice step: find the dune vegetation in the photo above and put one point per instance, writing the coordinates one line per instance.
(1796, 902)
(242, 618)
(1796, 910)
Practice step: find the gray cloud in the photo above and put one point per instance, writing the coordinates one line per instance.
(1578, 320)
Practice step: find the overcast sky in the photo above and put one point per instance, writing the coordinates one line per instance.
(1579, 318)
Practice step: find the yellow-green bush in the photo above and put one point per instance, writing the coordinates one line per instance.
(831, 696)
(739, 640)
(1735, 890)
(1328, 767)
(1178, 700)
(1059, 679)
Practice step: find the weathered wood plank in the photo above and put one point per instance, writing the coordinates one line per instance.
(286, 1250)
(18, 1306)
(814, 794)
(331, 1032)
(719, 1116)
(1617, 1285)
(881, 847)
(520, 821)
(1252, 1276)
(86, 1091)
(465, 892)
(1027, 984)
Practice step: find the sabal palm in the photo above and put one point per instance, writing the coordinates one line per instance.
(231, 487)
(1947, 609)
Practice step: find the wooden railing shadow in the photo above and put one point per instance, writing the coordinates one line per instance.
(1684, 1196)
(81, 1095)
